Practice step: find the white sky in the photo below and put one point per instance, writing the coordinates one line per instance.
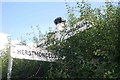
(3, 40)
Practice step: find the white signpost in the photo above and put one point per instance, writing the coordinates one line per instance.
(26, 52)
(30, 53)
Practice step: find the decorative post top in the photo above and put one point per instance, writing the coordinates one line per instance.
(60, 23)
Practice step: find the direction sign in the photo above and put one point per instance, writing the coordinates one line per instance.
(31, 53)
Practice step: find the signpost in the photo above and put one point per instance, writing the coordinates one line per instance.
(30, 53)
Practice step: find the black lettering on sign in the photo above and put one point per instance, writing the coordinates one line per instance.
(50, 55)
(42, 54)
(18, 51)
(53, 56)
(37, 53)
(29, 53)
(46, 55)
(33, 52)
(56, 56)
(23, 52)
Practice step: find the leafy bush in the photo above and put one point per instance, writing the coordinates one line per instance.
(92, 53)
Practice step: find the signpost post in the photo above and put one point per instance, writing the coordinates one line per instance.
(9, 68)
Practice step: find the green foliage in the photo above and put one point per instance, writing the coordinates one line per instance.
(4, 59)
(92, 53)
